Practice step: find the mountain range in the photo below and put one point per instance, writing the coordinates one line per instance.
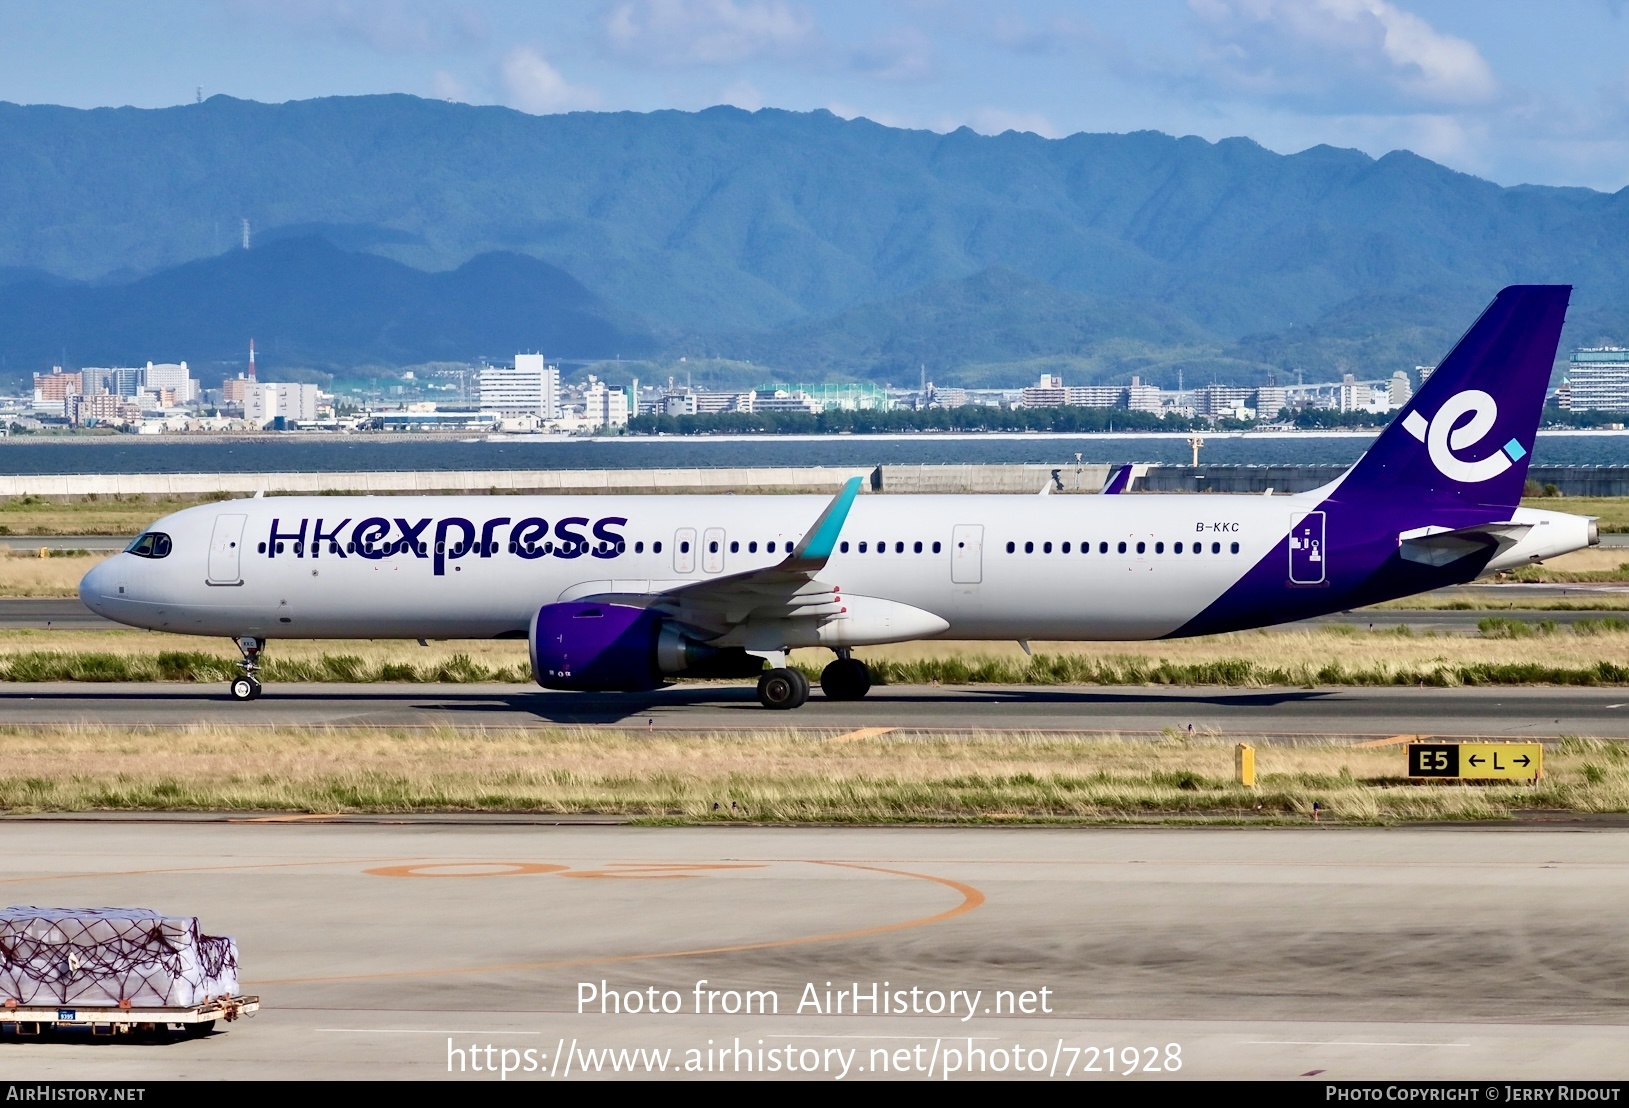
(395, 230)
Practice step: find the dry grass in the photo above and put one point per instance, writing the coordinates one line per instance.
(767, 775)
(89, 515)
(1504, 652)
(1611, 511)
(24, 573)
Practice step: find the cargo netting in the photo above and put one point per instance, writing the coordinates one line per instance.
(114, 957)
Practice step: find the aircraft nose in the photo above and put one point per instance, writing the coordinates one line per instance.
(95, 586)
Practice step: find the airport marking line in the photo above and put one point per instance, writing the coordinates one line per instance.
(494, 869)
(1395, 740)
(862, 733)
(189, 869)
(971, 899)
(1299, 1042)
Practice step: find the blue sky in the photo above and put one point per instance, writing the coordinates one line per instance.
(1512, 90)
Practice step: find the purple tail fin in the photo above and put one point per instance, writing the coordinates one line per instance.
(1466, 436)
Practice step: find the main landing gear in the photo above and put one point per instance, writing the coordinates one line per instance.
(782, 688)
(847, 678)
(247, 686)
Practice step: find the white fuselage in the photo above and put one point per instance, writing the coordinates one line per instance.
(982, 567)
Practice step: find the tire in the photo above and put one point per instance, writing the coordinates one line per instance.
(783, 689)
(244, 689)
(845, 679)
(198, 1030)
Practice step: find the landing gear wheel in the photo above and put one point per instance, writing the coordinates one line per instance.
(245, 688)
(845, 679)
(783, 688)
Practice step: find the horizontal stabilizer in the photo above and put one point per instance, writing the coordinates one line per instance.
(1439, 546)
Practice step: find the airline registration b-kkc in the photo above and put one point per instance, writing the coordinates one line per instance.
(628, 592)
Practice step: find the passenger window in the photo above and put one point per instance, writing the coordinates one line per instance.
(899, 548)
(1029, 548)
(1065, 548)
(684, 547)
(1159, 548)
(1046, 548)
(262, 548)
(514, 547)
(1176, 548)
(936, 548)
(279, 548)
(752, 547)
(862, 546)
(656, 547)
(1141, 547)
(770, 546)
(882, 548)
(1011, 547)
(917, 547)
(639, 548)
(1235, 548)
(1122, 548)
(735, 547)
(1103, 548)
(1215, 548)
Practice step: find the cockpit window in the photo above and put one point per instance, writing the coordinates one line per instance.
(153, 544)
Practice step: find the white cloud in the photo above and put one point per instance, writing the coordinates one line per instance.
(708, 32)
(993, 121)
(903, 54)
(742, 94)
(1332, 54)
(448, 87)
(387, 26)
(531, 84)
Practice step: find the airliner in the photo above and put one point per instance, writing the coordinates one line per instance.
(630, 592)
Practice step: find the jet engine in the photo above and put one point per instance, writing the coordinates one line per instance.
(617, 647)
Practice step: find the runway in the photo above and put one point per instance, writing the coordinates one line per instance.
(402, 951)
(1506, 712)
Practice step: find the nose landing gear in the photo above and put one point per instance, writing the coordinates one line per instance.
(247, 687)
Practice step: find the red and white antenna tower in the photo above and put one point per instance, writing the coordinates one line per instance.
(251, 359)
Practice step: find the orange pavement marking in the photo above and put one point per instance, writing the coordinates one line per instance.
(971, 898)
(510, 869)
(1395, 740)
(189, 869)
(863, 733)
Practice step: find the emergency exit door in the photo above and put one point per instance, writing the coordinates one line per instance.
(967, 554)
(226, 551)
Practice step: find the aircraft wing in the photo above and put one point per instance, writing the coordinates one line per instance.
(789, 588)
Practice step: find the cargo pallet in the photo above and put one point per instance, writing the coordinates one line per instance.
(106, 1019)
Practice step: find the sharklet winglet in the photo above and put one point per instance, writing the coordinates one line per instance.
(816, 547)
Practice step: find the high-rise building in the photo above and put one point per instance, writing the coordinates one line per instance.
(172, 376)
(264, 401)
(604, 407)
(57, 386)
(1598, 379)
(529, 390)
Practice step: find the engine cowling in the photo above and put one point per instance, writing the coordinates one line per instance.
(616, 647)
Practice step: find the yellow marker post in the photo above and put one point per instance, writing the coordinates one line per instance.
(1244, 765)
(1477, 761)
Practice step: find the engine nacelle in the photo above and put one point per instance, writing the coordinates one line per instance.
(615, 647)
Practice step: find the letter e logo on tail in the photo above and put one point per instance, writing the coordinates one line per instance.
(1444, 440)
